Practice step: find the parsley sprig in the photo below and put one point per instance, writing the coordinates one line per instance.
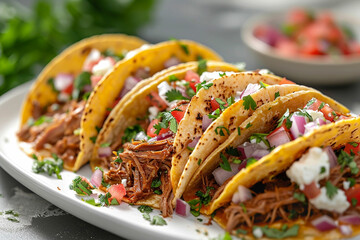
(167, 120)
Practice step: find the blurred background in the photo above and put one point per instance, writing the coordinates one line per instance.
(32, 32)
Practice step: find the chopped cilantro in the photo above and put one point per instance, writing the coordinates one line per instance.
(354, 144)
(322, 170)
(311, 102)
(321, 106)
(243, 207)
(250, 161)
(263, 85)
(304, 113)
(103, 183)
(168, 120)
(222, 74)
(156, 183)
(202, 67)
(225, 163)
(285, 116)
(277, 94)
(131, 132)
(293, 214)
(98, 129)
(239, 131)
(81, 186)
(196, 204)
(80, 82)
(50, 81)
(158, 220)
(230, 101)
(105, 145)
(91, 201)
(86, 96)
(331, 190)
(288, 123)
(232, 151)
(199, 161)
(344, 159)
(352, 181)
(11, 212)
(354, 202)
(249, 103)
(104, 199)
(93, 139)
(158, 191)
(147, 217)
(205, 85)
(240, 231)
(190, 148)
(49, 166)
(173, 95)
(260, 137)
(41, 120)
(145, 209)
(236, 161)
(12, 219)
(219, 130)
(279, 233)
(248, 125)
(221, 103)
(300, 197)
(173, 78)
(215, 114)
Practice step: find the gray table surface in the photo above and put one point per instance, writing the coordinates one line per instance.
(209, 22)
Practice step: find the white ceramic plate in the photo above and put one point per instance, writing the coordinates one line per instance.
(123, 220)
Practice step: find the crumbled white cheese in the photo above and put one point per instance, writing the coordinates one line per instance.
(93, 56)
(154, 111)
(209, 76)
(103, 67)
(258, 232)
(123, 182)
(261, 143)
(346, 185)
(315, 115)
(265, 71)
(338, 203)
(309, 167)
(163, 88)
(136, 51)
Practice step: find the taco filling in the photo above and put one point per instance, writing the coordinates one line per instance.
(321, 188)
(290, 126)
(56, 127)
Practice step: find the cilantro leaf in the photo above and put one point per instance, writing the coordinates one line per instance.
(131, 132)
(158, 220)
(173, 95)
(225, 163)
(145, 209)
(249, 103)
(219, 130)
(279, 233)
(300, 197)
(203, 84)
(202, 67)
(277, 94)
(331, 190)
(173, 78)
(80, 82)
(156, 183)
(49, 166)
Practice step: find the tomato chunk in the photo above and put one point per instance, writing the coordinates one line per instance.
(311, 190)
(352, 148)
(193, 78)
(156, 100)
(285, 81)
(328, 112)
(214, 104)
(178, 115)
(353, 193)
(151, 130)
(68, 89)
(117, 191)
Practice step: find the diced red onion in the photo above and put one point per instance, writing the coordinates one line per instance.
(182, 208)
(310, 126)
(206, 121)
(142, 73)
(193, 143)
(242, 194)
(104, 152)
(298, 125)
(248, 149)
(241, 152)
(130, 82)
(161, 136)
(250, 89)
(140, 136)
(222, 175)
(320, 122)
(96, 178)
(346, 230)
(242, 165)
(280, 137)
(332, 156)
(324, 223)
(171, 62)
(350, 219)
(259, 153)
(62, 81)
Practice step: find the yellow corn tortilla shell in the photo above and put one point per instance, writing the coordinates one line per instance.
(231, 118)
(263, 121)
(109, 88)
(71, 61)
(126, 114)
(190, 126)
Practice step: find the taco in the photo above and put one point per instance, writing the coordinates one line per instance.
(143, 139)
(52, 110)
(311, 189)
(263, 139)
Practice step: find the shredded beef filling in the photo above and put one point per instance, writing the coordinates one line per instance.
(59, 132)
(276, 202)
(141, 164)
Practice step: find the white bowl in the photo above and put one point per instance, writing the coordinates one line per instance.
(315, 71)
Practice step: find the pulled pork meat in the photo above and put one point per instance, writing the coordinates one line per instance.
(58, 130)
(142, 163)
(276, 202)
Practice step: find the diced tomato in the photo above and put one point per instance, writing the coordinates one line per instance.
(298, 17)
(353, 193)
(156, 100)
(352, 148)
(89, 66)
(214, 104)
(315, 105)
(328, 112)
(311, 190)
(68, 89)
(279, 136)
(117, 191)
(151, 130)
(193, 78)
(95, 80)
(312, 47)
(285, 81)
(178, 115)
(287, 48)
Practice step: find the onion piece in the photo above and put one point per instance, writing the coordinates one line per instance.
(161, 137)
(171, 62)
(242, 194)
(206, 121)
(310, 126)
(259, 153)
(62, 81)
(346, 230)
(350, 219)
(324, 223)
(142, 73)
(182, 208)
(222, 175)
(278, 137)
(298, 125)
(320, 121)
(193, 143)
(332, 156)
(104, 152)
(130, 82)
(250, 89)
(96, 178)
(246, 150)
(242, 165)
(182, 90)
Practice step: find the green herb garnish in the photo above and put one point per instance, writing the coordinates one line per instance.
(249, 103)
(49, 166)
(225, 163)
(81, 187)
(173, 95)
(219, 130)
(202, 67)
(331, 190)
(80, 82)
